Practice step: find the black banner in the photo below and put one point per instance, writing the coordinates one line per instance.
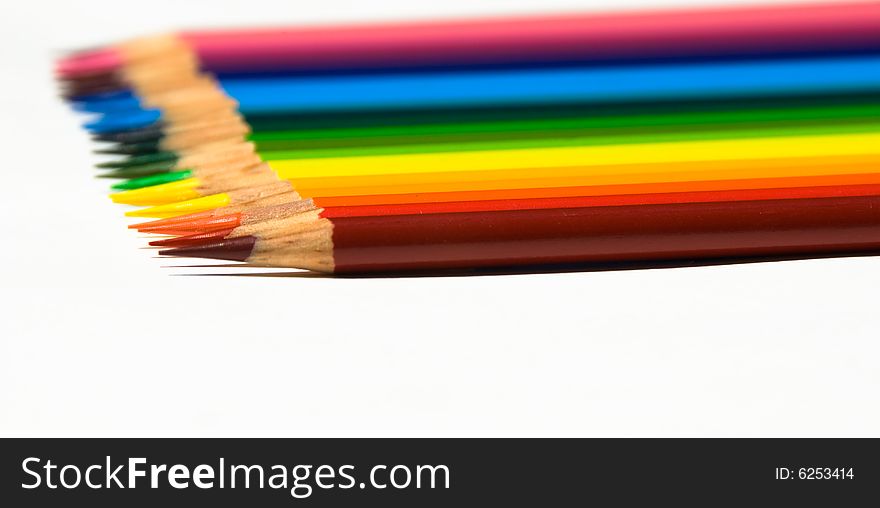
(437, 472)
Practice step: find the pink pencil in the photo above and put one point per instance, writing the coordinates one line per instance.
(583, 37)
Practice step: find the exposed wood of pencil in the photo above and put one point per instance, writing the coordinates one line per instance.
(202, 125)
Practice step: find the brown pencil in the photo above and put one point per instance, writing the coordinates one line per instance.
(811, 226)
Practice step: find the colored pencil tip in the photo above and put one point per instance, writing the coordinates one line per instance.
(172, 192)
(105, 96)
(97, 84)
(233, 249)
(114, 123)
(196, 226)
(152, 180)
(129, 149)
(160, 223)
(149, 133)
(139, 160)
(183, 207)
(125, 105)
(139, 171)
(87, 63)
(193, 240)
(213, 223)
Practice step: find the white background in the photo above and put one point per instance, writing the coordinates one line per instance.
(100, 338)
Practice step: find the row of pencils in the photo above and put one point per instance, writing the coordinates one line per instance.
(700, 134)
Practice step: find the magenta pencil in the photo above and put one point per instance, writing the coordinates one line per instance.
(793, 28)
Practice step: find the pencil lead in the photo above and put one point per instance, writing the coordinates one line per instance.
(139, 171)
(182, 208)
(171, 192)
(203, 225)
(90, 62)
(105, 96)
(119, 106)
(139, 160)
(160, 223)
(152, 180)
(193, 240)
(172, 232)
(129, 149)
(72, 89)
(103, 102)
(149, 133)
(115, 123)
(233, 249)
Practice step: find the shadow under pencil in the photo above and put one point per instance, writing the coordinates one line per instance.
(520, 270)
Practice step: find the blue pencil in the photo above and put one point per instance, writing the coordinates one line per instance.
(738, 79)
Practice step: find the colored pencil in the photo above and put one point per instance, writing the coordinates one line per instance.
(564, 235)
(265, 220)
(163, 167)
(612, 164)
(716, 32)
(219, 218)
(735, 79)
(708, 175)
(157, 133)
(647, 136)
(603, 130)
